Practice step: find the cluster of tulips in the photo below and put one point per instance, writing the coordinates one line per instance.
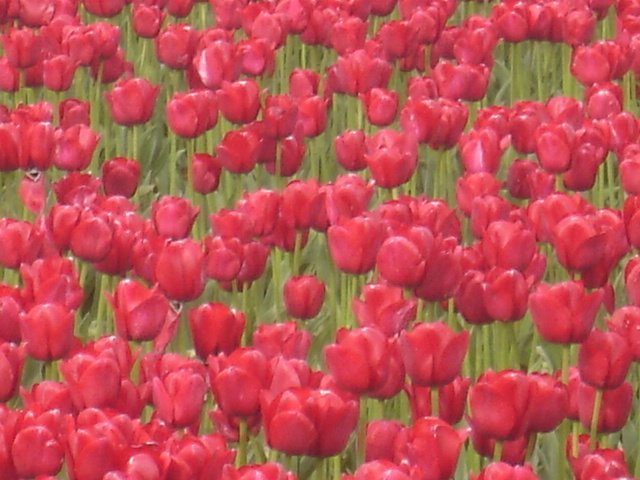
(314, 239)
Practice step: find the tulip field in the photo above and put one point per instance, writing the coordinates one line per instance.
(319, 239)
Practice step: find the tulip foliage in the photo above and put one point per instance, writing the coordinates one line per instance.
(314, 239)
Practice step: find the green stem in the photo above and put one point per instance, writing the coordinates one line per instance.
(241, 459)
(595, 417)
(435, 401)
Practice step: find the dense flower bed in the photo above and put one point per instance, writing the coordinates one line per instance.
(313, 239)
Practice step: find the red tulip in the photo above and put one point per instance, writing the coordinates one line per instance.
(11, 308)
(51, 280)
(403, 256)
(173, 217)
(392, 157)
(36, 450)
(175, 45)
(432, 353)
(554, 146)
(604, 359)
(92, 237)
(21, 242)
(11, 365)
(191, 114)
(215, 328)
(498, 403)
(358, 72)
(9, 76)
(614, 410)
(506, 294)
(564, 313)
(22, 47)
(237, 381)
(349, 149)
(266, 471)
(381, 106)
(73, 111)
(527, 180)
(179, 8)
(429, 434)
(216, 62)
(131, 102)
(303, 83)
(365, 362)
(347, 34)
(58, 72)
(146, 20)
(47, 330)
(378, 469)
(75, 147)
(120, 176)
(452, 400)
(548, 404)
(104, 8)
(304, 421)
(481, 151)
(178, 396)
(312, 115)
(239, 150)
(626, 322)
(139, 312)
(384, 307)
(354, 243)
(461, 82)
(206, 173)
(282, 339)
(472, 185)
(239, 101)
(180, 270)
(380, 439)
(504, 471)
(303, 296)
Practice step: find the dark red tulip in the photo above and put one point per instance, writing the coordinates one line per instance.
(303, 296)
(120, 176)
(527, 180)
(444, 271)
(282, 339)
(525, 119)
(432, 353)
(429, 434)
(237, 380)
(564, 312)
(354, 243)
(11, 308)
(215, 328)
(47, 330)
(469, 298)
(392, 157)
(305, 421)
(604, 359)
(548, 404)
(180, 270)
(131, 102)
(146, 20)
(364, 361)
(614, 410)
(175, 45)
(191, 114)
(577, 242)
(139, 312)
